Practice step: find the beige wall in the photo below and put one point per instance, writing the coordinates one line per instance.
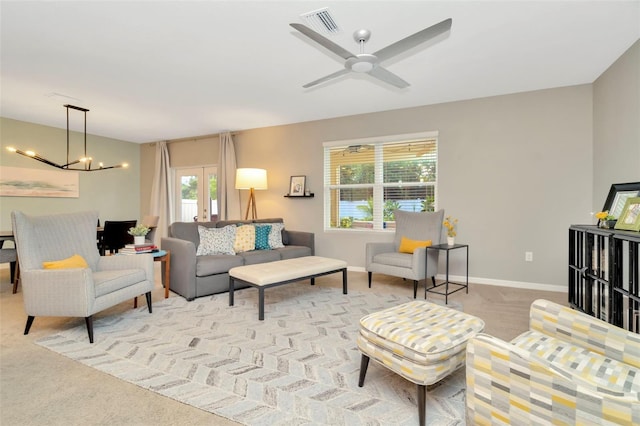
(113, 193)
(514, 169)
(616, 125)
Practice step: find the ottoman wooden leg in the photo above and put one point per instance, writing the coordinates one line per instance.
(364, 363)
(422, 390)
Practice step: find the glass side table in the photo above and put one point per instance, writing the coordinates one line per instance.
(446, 283)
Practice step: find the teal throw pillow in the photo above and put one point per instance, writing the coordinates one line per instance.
(262, 237)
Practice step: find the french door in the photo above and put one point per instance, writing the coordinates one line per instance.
(196, 194)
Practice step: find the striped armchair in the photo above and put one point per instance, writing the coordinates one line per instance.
(569, 368)
(79, 291)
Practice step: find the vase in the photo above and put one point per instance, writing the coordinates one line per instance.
(607, 224)
(451, 240)
(138, 239)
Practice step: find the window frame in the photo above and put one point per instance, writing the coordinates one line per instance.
(378, 185)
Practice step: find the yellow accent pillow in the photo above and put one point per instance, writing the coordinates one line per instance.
(245, 238)
(75, 261)
(408, 246)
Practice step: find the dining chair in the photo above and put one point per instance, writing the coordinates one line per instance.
(9, 255)
(115, 235)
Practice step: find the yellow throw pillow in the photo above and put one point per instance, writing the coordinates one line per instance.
(245, 238)
(75, 261)
(408, 246)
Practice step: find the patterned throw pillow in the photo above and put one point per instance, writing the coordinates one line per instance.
(216, 240)
(245, 238)
(275, 236)
(262, 237)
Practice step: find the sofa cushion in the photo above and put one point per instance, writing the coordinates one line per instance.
(289, 252)
(216, 264)
(111, 280)
(576, 361)
(216, 240)
(223, 223)
(188, 230)
(262, 237)
(259, 256)
(245, 238)
(402, 260)
(275, 236)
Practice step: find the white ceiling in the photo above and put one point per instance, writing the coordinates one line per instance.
(170, 69)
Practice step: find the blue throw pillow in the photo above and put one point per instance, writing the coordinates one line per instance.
(262, 237)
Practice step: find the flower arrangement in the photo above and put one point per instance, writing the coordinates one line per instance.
(605, 216)
(138, 231)
(605, 220)
(450, 223)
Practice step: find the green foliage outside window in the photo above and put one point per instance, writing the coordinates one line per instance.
(190, 188)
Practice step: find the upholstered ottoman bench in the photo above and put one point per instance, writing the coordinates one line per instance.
(421, 341)
(271, 274)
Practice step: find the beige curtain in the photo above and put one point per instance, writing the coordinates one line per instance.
(162, 191)
(228, 195)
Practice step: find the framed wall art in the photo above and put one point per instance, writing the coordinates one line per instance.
(618, 195)
(296, 188)
(22, 182)
(630, 217)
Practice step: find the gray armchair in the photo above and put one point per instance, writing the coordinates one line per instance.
(385, 258)
(78, 292)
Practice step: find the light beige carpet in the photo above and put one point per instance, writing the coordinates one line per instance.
(39, 387)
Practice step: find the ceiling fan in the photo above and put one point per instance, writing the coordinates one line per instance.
(370, 63)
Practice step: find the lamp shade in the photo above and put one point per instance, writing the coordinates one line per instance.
(251, 178)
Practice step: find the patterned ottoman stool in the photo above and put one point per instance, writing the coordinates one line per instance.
(421, 341)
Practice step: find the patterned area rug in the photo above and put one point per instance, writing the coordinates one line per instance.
(298, 366)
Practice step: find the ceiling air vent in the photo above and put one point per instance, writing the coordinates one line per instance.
(321, 21)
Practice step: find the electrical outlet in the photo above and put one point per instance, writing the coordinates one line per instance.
(528, 256)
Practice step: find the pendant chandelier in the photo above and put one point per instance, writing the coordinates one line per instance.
(85, 160)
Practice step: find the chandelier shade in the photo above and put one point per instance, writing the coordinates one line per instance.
(86, 160)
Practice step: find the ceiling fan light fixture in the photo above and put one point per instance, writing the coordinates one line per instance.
(362, 63)
(370, 63)
(362, 67)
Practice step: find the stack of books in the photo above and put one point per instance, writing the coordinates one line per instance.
(138, 248)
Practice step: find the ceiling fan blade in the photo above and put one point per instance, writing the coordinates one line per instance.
(413, 40)
(323, 41)
(388, 77)
(327, 78)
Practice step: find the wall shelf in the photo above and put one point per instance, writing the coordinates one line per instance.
(300, 196)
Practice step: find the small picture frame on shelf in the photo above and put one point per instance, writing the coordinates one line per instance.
(630, 217)
(618, 195)
(296, 188)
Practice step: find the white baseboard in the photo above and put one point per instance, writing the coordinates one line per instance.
(491, 281)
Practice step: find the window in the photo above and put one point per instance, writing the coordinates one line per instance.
(196, 194)
(367, 179)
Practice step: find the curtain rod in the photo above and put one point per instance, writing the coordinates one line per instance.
(196, 138)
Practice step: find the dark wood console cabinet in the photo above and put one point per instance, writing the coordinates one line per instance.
(603, 274)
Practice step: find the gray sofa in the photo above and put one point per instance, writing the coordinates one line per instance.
(195, 276)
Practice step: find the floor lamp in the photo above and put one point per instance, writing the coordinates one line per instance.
(251, 179)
